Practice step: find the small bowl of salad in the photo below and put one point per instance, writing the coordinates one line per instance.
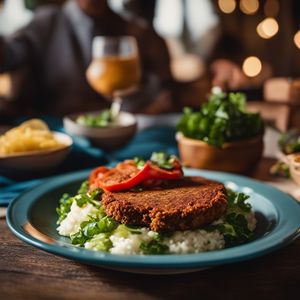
(289, 160)
(102, 129)
(222, 135)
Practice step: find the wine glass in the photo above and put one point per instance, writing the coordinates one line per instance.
(115, 68)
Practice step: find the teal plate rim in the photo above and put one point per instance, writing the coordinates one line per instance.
(285, 231)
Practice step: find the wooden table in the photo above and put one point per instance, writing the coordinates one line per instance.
(29, 273)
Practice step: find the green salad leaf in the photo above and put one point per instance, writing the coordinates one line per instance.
(235, 225)
(101, 242)
(223, 118)
(84, 187)
(239, 233)
(237, 202)
(94, 226)
(107, 224)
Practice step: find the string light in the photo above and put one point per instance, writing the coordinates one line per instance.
(271, 8)
(249, 7)
(267, 28)
(297, 39)
(252, 66)
(227, 6)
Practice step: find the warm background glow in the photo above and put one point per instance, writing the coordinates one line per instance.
(227, 6)
(252, 66)
(267, 28)
(297, 39)
(5, 85)
(249, 7)
(271, 8)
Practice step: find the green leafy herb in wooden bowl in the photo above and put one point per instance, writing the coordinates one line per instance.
(222, 135)
(222, 119)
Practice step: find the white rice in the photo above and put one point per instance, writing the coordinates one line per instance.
(131, 244)
(75, 217)
(195, 241)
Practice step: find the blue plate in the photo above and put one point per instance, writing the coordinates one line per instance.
(32, 218)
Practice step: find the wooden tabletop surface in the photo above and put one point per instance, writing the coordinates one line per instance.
(29, 273)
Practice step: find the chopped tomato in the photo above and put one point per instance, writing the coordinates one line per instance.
(97, 173)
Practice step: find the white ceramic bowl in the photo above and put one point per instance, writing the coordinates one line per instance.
(111, 137)
(30, 163)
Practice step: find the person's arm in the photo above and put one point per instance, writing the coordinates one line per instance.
(22, 46)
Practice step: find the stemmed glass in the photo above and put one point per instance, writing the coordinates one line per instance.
(115, 68)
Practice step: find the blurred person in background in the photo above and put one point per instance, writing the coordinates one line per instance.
(51, 55)
(203, 53)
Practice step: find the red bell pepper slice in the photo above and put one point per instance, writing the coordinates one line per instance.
(159, 173)
(126, 175)
(118, 180)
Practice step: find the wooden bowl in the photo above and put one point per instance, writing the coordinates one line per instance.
(237, 157)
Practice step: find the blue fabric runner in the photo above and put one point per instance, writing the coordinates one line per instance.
(84, 156)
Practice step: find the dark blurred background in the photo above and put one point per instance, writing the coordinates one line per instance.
(261, 37)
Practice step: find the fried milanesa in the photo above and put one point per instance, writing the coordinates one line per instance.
(183, 204)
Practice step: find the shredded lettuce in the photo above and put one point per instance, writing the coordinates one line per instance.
(94, 226)
(64, 207)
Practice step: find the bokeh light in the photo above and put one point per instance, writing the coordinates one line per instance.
(271, 8)
(249, 7)
(227, 6)
(252, 66)
(297, 39)
(267, 28)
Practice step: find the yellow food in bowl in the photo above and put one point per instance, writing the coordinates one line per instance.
(32, 135)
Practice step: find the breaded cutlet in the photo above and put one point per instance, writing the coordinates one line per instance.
(184, 204)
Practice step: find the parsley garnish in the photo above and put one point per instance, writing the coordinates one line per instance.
(163, 160)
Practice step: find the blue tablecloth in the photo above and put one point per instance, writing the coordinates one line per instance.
(84, 156)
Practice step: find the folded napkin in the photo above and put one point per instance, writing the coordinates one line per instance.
(84, 156)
